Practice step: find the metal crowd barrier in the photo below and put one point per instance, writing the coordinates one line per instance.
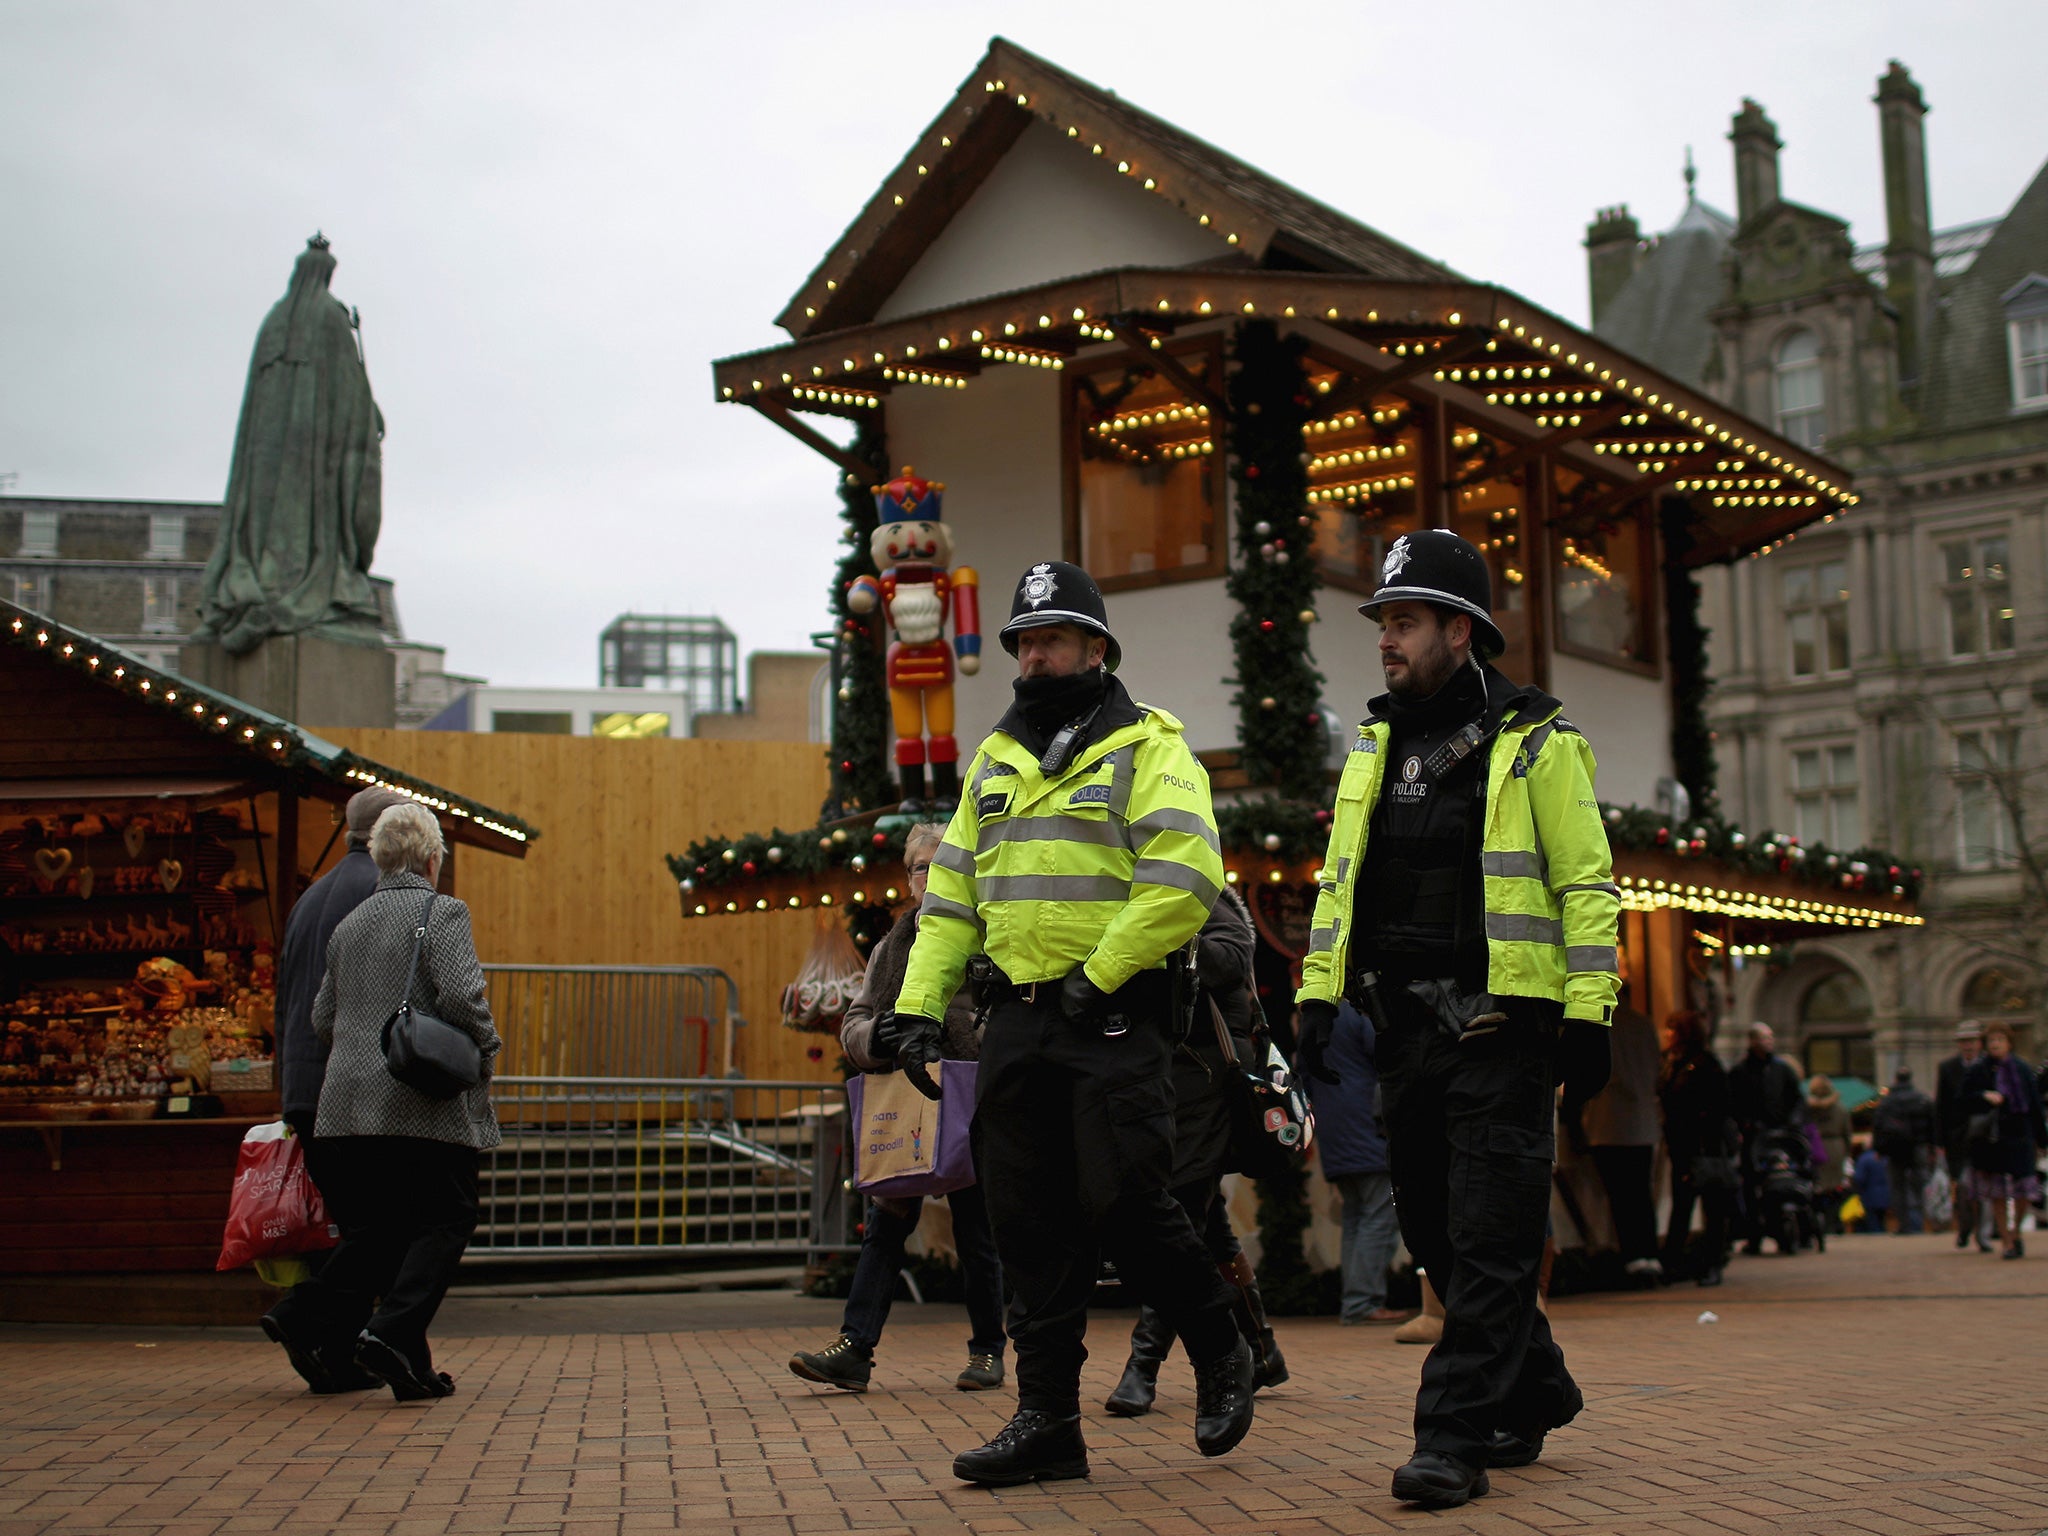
(669, 1021)
(618, 1166)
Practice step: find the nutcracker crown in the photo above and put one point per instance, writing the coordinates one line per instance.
(909, 499)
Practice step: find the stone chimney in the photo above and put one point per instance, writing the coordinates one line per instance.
(1614, 249)
(1909, 231)
(1756, 142)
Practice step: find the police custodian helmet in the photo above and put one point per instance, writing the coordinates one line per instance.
(1434, 565)
(1054, 592)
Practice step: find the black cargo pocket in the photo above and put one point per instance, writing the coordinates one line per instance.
(1138, 1150)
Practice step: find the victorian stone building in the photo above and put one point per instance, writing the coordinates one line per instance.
(1880, 681)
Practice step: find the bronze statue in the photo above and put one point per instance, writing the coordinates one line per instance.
(305, 490)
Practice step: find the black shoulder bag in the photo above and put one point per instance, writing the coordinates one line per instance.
(429, 1056)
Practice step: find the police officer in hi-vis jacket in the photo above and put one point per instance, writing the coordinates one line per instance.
(1468, 904)
(1083, 855)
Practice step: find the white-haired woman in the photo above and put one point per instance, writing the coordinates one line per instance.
(406, 1163)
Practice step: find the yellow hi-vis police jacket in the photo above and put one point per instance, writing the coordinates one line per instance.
(1552, 908)
(1114, 863)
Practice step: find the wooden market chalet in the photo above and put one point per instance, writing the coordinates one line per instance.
(1043, 305)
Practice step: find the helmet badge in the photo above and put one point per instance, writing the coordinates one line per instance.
(1039, 585)
(1397, 557)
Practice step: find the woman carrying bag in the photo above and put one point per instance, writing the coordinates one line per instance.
(2005, 1130)
(402, 1009)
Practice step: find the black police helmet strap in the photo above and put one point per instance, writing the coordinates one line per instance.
(1434, 565)
(1056, 592)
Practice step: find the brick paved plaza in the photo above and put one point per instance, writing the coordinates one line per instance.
(1892, 1386)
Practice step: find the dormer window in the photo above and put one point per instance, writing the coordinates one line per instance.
(2026, 342)
(1801, 391)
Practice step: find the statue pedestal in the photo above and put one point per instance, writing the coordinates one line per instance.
(306, 679)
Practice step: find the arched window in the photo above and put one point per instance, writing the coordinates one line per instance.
(1802, 394)
(1994, 992)
(1834, 1021)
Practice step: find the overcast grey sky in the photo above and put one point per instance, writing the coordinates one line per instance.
(554, 216)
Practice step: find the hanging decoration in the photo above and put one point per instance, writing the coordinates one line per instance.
(857, 761)
(1281, 735)
(1692, 739)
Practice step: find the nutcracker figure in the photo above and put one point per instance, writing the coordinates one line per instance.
(912, 551)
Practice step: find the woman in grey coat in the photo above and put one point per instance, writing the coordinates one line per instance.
(407, 1164)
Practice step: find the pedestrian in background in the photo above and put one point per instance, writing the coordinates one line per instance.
(407, 1163)
(2005, 1133)
(1351, 1140)
(1954, 1104)
(1703, 1144)
(1873, 1181)
(1903, 1132)
(1765, 1096)
(848, 1361)
(1830, 1123)
(302, 1062)
(1620, 1127)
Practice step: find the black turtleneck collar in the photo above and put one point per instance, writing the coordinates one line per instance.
(1472, 690)
(1044, 704)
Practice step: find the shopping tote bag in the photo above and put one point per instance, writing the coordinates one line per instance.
(906, 1144)
(275, 1209)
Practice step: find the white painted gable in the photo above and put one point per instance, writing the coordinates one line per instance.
(1049, 210)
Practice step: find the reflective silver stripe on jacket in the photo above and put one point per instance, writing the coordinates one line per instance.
(1123, 772)
(1168, 819)
(1051, 829)
(1052, 888)
(1591, 885)
(935, 905)
(1525, 928)
(1591, 957)
(1512, 865)
(952, 856)
(1323, 940)
(1179, 876)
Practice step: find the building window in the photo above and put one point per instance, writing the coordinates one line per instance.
(1801, 391)
(166, 535)
(1985, 777)
(625, 726)
(534, 722)
(160, 605)
(2028, 340)
(1144, 477)
(1834, 1018)
(39, 534)
(1978, 590)
(28, 591)
(1602, 582)
(1996, 992)
(1817, 619)
(1824, 806)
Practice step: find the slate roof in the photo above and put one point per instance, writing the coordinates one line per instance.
(1954, 250)
(1969, 380)
(1661, 313)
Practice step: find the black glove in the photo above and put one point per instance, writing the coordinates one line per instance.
(912, 1041)
(1312, 1040)
(1583, 1062)
(1080, 999)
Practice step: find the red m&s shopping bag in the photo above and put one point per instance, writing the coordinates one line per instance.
(274, 1210)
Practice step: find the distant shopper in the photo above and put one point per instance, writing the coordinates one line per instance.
(1765, 1096)
(1351, 1139)
(1693, 1090)
(302, 1059)
(848, 1361)
(1873, 1181)
(1902, 1131)
(406, 1164)
(1619, 1127)
(1953, 1106)
(2006, 1131)
(1830, 1123)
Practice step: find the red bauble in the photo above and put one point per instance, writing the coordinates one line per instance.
(1265, 626)
(1251, 471)
(1663, 836)
(846, 767)
(748, 867)
(881, 839)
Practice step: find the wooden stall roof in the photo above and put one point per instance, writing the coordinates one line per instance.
(134, 729)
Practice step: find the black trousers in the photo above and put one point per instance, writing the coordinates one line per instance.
(1625, 1175)
(1074, 1134)
(1470, 1141)
(1718, 1205)
(406, 1208)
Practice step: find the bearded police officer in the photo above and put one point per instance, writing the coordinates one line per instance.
(1468, 903)
(1083, 855)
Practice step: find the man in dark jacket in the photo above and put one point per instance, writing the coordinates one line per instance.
(1903, 1131)
(302, 1055)
(1764, 1095)
(1953, 1106)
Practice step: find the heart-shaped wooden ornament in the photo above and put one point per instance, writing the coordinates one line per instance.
(132, 836)
(168, 873)
(52, 862)
(86, 881)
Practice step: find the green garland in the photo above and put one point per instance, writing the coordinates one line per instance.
(1274, 581)
(1870, 870)
(861, 728)
(1285, 829)
(715, 862)
(1692, 739)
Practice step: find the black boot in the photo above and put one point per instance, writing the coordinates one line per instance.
(1034, 1447)
(1437, 1481)
(1151, 1340)
(945, 786)
(912, 776)
(1223, 1400)
(1269, 1366)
